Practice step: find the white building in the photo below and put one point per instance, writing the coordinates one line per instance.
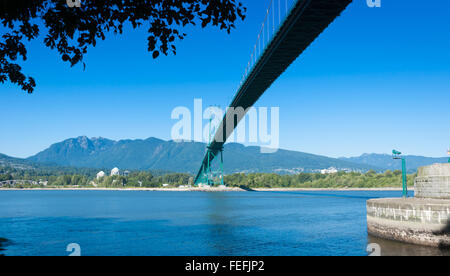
(329, 171)
(115, 171)
(100, 174)
(43, 182)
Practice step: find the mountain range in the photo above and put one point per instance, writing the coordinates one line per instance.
(16, 163)
(157, 154)
(386, 161)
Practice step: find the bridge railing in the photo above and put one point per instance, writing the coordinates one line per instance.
(276, 13)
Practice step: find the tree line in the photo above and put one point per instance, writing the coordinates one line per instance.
(86, 178)
(148, 179)
(370, 179)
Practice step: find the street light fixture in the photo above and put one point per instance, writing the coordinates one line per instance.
(398, 155)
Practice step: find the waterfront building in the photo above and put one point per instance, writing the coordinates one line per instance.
(115, 171)
(329, 171)
(100, 174)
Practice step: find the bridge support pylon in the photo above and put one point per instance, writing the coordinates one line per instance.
(209, 176)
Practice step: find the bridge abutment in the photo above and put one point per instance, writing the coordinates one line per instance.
(424, 219)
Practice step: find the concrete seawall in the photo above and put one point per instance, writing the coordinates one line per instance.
(418, 221)
(433, 182)
(424, 219)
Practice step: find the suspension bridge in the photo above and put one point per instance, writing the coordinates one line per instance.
(289, 27)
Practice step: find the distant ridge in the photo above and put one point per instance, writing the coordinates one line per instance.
(157, 154)
(386, 162)
(17, 163)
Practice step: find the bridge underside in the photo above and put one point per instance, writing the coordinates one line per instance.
(307, 19)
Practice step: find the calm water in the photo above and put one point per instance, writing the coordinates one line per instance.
(190, 223)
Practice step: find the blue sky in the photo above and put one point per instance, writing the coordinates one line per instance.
(375, 80)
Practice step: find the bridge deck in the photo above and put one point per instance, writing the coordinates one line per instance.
(302, 26)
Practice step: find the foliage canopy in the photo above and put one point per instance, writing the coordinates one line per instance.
(71, 30)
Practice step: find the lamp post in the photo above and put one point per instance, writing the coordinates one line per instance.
(397, 155)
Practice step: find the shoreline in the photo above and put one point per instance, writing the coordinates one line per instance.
(231, 189)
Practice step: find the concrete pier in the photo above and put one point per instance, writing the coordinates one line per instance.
(412, 220)
(433, 182)
(424, 219)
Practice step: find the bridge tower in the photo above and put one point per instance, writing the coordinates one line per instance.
(208, 176)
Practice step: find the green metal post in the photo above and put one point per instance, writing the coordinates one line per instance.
(397, 155)
(204, 175)
(404, 179)
(221, 166)
(208, 171)
(199, 178)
